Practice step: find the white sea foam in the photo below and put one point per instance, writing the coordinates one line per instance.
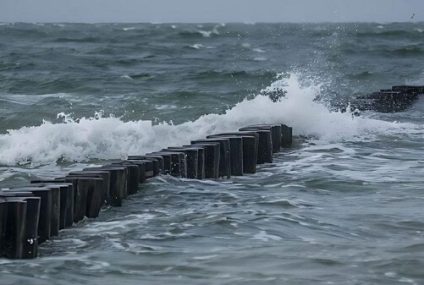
(126, 76)
(207, 34)
(196, 46)
(110, 137)
(258, 50)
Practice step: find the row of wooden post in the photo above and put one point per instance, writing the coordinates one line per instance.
(35, 213)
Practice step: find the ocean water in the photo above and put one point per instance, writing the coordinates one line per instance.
(343, 206)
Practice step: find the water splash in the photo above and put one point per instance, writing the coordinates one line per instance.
(102, 137)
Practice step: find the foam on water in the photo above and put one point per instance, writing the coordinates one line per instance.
(110, 137)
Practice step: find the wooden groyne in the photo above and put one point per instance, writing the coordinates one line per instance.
(35, 213)
(396, 99)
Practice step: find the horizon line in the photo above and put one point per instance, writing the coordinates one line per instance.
(214, 22)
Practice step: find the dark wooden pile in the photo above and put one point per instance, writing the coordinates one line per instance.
(35, 213)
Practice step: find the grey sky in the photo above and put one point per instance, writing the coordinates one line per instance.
(210, 11)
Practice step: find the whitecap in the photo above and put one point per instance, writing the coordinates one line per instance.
(207, 34)
(126, 76)
(258, 50)
(125, 29)
(196, 46)
(81, 139)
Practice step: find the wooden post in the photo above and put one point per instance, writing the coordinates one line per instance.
(212, 158)
(236, 153)
(250, 149)
(12, 246)
(225, 161)
(264, 144)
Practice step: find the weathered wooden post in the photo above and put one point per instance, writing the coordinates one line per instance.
(142, 167)
(55, 211)
(3, 220)
(80, 185)
(236, 153)
(118, 182)
(66, 199)
(225, 161)
(133, 176)
(46, 218)
(250, 149)
(191, 161)
(192, 157)
(264, 144)
(167, 160)
(103, 174)
(94, 197)
(14, 235)
(286, 136)
(178, 162)
(27, 245)
(211, 158)
(276, 134)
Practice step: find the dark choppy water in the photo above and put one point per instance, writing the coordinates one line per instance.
(344, 206)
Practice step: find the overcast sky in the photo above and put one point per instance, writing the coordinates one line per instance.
(211, 11)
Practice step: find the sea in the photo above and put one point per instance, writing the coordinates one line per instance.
(343, 205)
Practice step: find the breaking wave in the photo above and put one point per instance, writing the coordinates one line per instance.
(100, 137)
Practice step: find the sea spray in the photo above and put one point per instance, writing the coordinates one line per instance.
(101, 137)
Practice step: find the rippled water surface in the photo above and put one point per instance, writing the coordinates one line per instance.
(342, 206)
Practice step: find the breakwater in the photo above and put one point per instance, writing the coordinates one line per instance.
(35, 213)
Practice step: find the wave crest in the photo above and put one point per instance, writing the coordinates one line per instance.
(102, 137)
